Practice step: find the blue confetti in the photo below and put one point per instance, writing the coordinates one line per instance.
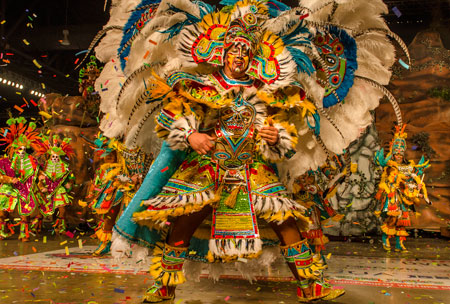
(15, 253)
(414, 147)
(6, 132)
(406, 66)
(81, 52)
(119, 290)
(396, 11)
(33, 295)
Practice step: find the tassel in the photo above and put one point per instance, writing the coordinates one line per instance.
(230, 202)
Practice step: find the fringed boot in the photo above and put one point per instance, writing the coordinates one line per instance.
(6, 230)
(399, 238)
(24, 235)
(105, 242)
(311, 286)
(385, 241)
(167, 270)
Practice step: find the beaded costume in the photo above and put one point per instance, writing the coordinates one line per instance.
(20, 166)
(310, 74)
(400, 188)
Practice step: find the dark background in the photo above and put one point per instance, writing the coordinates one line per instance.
(84, 18)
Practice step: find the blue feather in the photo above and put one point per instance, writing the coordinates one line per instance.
(304, 64)
(129, 30)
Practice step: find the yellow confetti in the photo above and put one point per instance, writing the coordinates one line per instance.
(328, 256)
(67, 250)
(44, 239)
(43, 85)
(26, 42)
(3, 22)
(80, 243)
(63, 243)
(45, 114)
(37, 64)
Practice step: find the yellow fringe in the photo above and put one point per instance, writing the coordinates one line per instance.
(166, 278)
(387, 230)
(103, 236)
(402, 233)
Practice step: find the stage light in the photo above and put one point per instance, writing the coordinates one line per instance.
(13, 83)
(1, 79)
(4, 80)
(17, 85)
(21, 87)
(32, 92)
(9, 82)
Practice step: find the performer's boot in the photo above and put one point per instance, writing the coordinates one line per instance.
(5, 230)
(105, 242)
(24, 235)
(385, 240)
(167, 271)
(60, 226)
(312, 286)
(36, 225)
(399, 246)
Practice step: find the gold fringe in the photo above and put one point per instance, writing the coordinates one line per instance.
(230, 202)
(387, 230)
(103, 236)
(158, 273)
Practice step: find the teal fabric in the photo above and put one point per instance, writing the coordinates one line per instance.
(163, 168)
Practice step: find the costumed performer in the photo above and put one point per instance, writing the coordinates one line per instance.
(55, 181)
(400, 188)
(233, 97)
(18, 176)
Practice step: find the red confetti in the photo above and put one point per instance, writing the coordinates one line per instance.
(179, 243)
(76, 61)
(151, 41)
(165, 169)
(32, 101)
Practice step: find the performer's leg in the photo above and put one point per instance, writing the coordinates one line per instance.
(167, 265)
(389, 230)
(5, 227)
(24, 229)
(104, 232)
(299, 257)
(61, 227)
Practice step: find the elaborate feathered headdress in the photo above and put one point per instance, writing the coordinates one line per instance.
(398, 143)
(19, 134)
(53, 144)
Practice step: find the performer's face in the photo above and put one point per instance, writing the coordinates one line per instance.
(54, 157)
(21, 151)
(236, 60)
(398, 157)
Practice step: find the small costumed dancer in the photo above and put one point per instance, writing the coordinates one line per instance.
(115, 183)
(401, 187)
(239, 89)
(18, 175)
(55, 181)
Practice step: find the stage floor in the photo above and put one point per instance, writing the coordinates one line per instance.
(62, 271)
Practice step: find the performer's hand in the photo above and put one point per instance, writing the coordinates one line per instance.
(202, 143)
(135, 178)
(269, 134)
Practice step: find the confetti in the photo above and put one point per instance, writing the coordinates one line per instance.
(26, 42)
(80, 244)
(153, 42)
(227, 298)
(119, 290)
(164, 169)
(67, 250)
(37, 64)
(62, 243)
(179, 243)
(146, 54)
(3, 22)
(34, 249)
(406, 66)
(69, 234)
(396, 11)
(6, 132)
(18, 108)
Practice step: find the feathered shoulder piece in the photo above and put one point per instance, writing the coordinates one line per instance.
(19, 133)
